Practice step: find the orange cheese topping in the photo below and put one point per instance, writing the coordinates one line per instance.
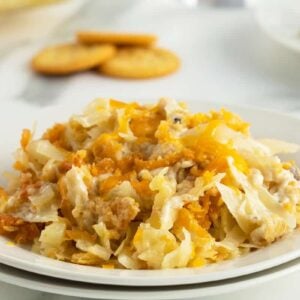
(142, 187)
(110, 183)
(187, 220)
(26, 138)
(150, 125)
(211, 154)
(55, 135)
(145, 123)
(226, 117)
(2, 193)
(106, 146)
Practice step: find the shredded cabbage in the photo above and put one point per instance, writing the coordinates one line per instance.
(125, 185)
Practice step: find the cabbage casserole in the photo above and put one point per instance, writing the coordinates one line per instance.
(133, 186)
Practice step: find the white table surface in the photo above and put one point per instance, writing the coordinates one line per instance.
(226, 58)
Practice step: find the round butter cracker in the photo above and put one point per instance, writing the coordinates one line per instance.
(120, 39)
(140, 63)
(71, 58)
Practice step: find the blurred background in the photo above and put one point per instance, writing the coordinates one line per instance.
(236, 51)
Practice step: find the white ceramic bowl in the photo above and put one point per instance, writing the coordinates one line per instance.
(280, 20)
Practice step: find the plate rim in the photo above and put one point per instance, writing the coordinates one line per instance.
(48, 284)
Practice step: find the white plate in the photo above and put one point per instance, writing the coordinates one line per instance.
(265, 124)
(85, 290)
(280, 20)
